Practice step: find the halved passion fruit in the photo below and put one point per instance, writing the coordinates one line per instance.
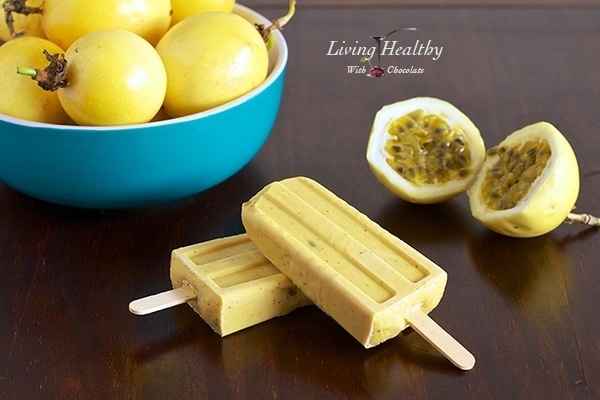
(424, 150)
(528, 183)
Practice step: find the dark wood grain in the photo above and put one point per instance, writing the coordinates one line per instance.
(527, 309)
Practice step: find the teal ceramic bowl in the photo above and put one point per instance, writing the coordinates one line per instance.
(145, 164)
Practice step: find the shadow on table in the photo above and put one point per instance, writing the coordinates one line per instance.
(535, 273)
(426, 223)
(304, 353)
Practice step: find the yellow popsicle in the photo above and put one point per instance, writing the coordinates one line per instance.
(228, 282)
(368, 280)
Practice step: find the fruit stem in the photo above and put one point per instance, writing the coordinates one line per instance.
(279, 22)
(51, 78)
(32, 73)
(585, 219)
(17, 7)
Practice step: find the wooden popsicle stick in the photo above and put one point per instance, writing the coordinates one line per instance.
(161, 301)
(441, 340)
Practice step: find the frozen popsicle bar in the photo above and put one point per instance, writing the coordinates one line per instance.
(228, 282)
(368, 280)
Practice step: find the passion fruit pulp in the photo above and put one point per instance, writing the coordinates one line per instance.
(424, 149)
(528, 184)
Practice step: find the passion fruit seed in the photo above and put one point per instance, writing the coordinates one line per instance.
(509, 180)
(424, 149)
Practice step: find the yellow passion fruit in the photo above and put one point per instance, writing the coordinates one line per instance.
(425, 150)
(528, 183)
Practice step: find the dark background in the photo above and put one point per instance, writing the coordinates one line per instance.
(526, 308)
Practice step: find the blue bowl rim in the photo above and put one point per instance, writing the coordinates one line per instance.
(278, 60)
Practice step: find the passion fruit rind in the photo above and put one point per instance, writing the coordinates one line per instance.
(526, 207)
(424, 149)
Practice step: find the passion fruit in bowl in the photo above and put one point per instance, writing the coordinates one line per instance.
(137, 165)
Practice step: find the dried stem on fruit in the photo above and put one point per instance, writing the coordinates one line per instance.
(585, 219)
(277, 23)
(51, 78)
(17, 7)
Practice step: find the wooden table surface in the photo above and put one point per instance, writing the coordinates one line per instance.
(528, 309)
